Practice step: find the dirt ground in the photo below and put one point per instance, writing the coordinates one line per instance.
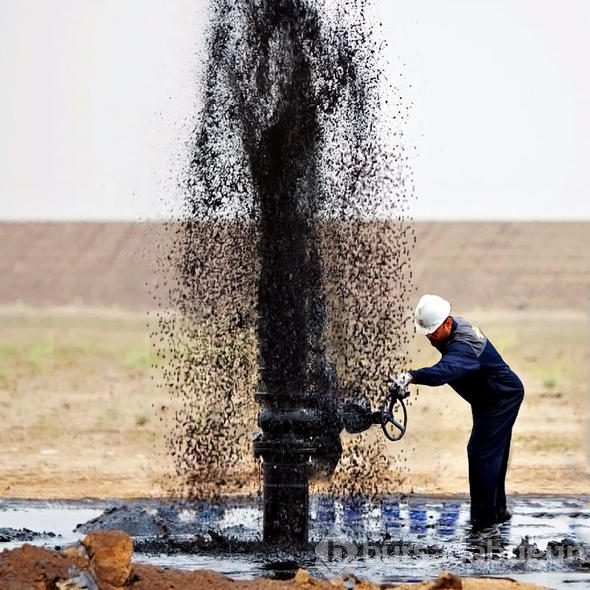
(507, 265)
(82, 411)
(104, 560)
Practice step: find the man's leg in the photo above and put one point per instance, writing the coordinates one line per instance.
(484, 467)
(487, 453)
(501, 487)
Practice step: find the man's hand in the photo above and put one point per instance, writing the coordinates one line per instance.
(402, 380)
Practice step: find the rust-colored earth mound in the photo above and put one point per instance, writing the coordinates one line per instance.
(103, 560)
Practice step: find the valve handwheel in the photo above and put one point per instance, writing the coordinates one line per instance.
(394, 416)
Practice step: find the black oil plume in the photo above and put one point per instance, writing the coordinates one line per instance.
(292, 256)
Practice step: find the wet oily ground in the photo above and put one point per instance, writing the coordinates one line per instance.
(385, 540)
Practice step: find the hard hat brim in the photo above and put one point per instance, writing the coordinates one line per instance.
(424, 331)
(427, 331)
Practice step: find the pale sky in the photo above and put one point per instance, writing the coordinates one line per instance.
(97, 96)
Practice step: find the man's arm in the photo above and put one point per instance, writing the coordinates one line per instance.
(458, 361)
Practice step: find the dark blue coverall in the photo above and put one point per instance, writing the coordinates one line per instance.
(475, 370)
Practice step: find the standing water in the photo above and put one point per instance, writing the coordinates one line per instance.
(389, 540)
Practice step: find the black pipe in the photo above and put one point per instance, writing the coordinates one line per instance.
(297, 436)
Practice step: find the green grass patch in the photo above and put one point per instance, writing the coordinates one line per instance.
(5, 377)
(43, 354)
(553, 444)
(551, 375)
(108, 420)
(139, 357)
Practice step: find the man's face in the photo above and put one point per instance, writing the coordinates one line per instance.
(441, 333)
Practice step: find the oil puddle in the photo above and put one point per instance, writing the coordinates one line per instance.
(383, 539)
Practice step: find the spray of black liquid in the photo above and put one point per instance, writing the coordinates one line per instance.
(292, 258)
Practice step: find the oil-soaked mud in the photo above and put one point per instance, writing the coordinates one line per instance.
(9, 535)
(390, 540)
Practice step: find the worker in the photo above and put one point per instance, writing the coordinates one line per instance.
(475, 370)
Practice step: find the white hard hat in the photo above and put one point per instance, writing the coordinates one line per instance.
(430, 313)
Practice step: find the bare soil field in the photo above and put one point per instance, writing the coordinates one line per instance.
(82, 415)
(491, 265)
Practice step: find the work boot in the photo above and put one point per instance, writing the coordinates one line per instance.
(479, 536)
(504, 517)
